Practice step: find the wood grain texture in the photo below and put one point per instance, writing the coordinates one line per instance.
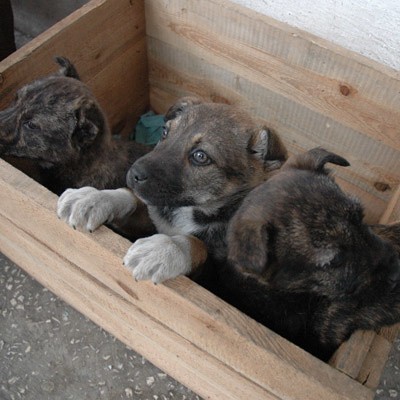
(350, 356)
(180, 327)
(106, 40)
(311, 92)
(374, 362)
(392, 212)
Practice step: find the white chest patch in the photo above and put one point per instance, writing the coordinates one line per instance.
(323, 257)
(182, 222)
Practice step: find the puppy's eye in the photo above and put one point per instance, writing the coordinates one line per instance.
(199, 157)
(31, 126)
(164, 133)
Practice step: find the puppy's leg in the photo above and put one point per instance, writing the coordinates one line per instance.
(87, 208)
(161, 257)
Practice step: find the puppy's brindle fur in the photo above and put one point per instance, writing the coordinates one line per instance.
(57, 122)
(300, 243)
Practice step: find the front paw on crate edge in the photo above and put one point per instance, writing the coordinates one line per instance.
(158, 258)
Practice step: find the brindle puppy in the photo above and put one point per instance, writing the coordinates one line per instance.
(57, 122)
(210, 157)
(318, 271)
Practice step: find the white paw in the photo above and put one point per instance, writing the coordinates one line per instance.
(88, 208)
(159, 257)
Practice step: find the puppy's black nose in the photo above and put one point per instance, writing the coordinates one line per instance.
(136, 175)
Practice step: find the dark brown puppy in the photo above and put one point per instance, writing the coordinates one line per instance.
(299, 243)
(57, 122)
(211, 155)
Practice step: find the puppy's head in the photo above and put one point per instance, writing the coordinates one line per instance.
(52, 120)
(208, 153)
(302, 219)
(302, 206)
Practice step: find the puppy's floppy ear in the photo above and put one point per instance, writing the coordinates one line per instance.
(247, 243)
(181, 106)
(67, 68)
(268, 147)
(89, 121)
(315, 160)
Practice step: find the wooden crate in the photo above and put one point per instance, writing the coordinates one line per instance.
(311, 91)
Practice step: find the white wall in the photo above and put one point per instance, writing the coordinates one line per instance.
(369, 27)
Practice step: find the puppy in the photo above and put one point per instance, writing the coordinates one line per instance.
(210, 156)
(302, 261)
(57, 122)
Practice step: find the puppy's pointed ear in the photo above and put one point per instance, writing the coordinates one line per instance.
(320, 157)
(268, 147)
(181, 106)
(89, 122)
(67, 68)
(315, 160)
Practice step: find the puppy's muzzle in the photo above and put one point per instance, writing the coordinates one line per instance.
(136, 176)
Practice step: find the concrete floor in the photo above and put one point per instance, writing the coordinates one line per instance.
(50, 351)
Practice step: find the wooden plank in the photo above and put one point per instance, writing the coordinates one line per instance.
(235, 355)
(392, 212)
(112, 60)
(374, 363)
(223, 51)
(351, 355)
